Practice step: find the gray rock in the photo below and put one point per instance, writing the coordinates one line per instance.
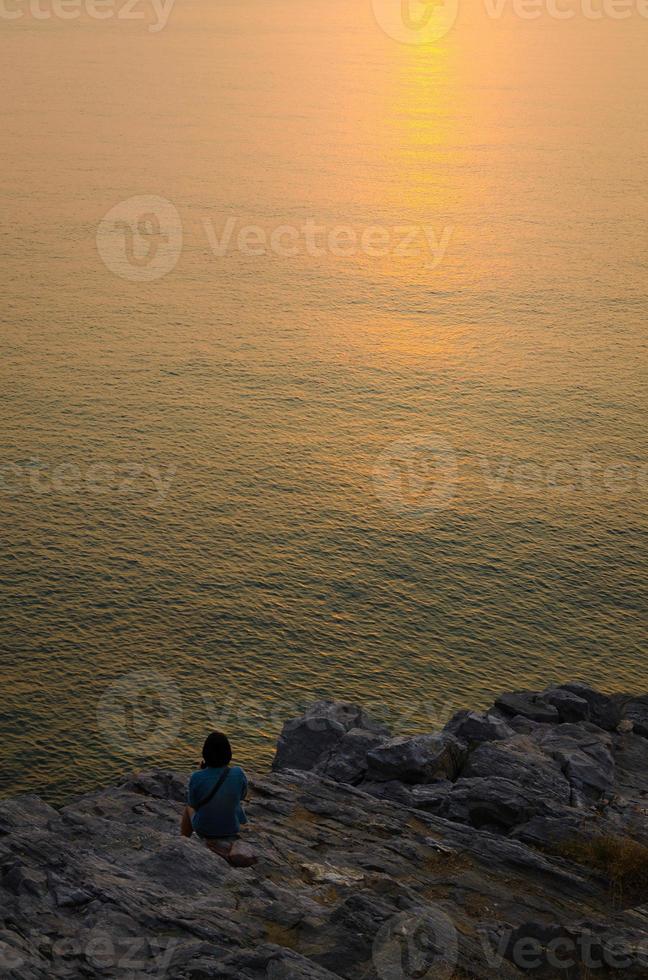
(602, 709)
(19, 879)
(636, 711)
(311, 739)
(630, 752)
(547, 830)
(420, 759)
(105, 887)
(26, 808)
(347, 761)
(528, 704)
(496, 804)
(163, 786)
(302, 744)
(474, 727)
(585, 757)
(71, 897)
(433, 797)
(522, 762)
(524, 726)
(570, 706)
(392, 790)
(346, 714)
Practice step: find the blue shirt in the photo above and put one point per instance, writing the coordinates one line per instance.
(223, 815)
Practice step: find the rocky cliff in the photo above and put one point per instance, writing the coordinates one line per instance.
(511, 844)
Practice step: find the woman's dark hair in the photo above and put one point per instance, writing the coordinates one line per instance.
(217, 751)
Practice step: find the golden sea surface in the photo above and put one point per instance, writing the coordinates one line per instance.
(323, 370)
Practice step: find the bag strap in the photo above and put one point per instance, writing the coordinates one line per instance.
(214, 790)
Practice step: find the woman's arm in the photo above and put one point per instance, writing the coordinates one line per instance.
(186, 823)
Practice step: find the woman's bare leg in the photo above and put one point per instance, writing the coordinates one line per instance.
(186, 828)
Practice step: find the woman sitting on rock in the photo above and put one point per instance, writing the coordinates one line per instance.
(214, 808)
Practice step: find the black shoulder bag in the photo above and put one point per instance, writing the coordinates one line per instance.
(213, 791)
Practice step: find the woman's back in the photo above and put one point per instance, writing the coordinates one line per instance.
(223, 814)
